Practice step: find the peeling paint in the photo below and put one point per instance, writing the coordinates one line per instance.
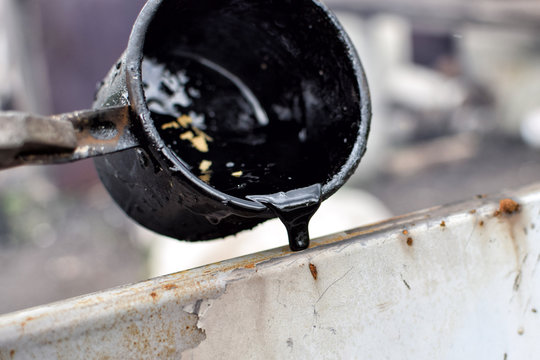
(143, 321)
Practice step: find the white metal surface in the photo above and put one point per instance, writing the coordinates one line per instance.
(455, 282)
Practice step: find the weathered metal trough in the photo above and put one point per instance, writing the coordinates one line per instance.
(454, 282)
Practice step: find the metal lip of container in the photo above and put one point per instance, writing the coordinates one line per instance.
(168, 159)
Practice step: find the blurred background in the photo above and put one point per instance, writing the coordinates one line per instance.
(456, 102)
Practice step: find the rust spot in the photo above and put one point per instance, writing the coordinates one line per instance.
(170, 286)
(405, 232)
(25, 321)
(249, 266)
(12, 353)
(443, 224)
(481, 223)
(153, 295)
(410, 241)
(473, 211)
(187, 327)
(507, 206)
(313, 270)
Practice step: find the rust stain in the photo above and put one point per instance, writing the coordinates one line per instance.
(481, 223)
(12, 353)
(90, 301)
(252, 260)
(373, 228)
(170, 286)
(313, 270)
(26, 321)
(249, 263)
(507, 206)
(410, 241)
(362, 231)
(509, 212)
(331, 240)
(443, 224)
(153, 295)
(405, 232)
(473, 211)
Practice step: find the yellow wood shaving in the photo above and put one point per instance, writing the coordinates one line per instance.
(199, 143)
(237, 173)
(184, 120)
(205, 165)
(188, 135)
(202, 133)
(170, 125)
(205, 178)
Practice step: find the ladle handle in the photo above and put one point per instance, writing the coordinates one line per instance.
(33, 139)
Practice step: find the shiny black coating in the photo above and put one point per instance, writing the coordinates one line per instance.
(292, 55)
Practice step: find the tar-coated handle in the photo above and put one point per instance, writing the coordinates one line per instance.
(33, 139)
